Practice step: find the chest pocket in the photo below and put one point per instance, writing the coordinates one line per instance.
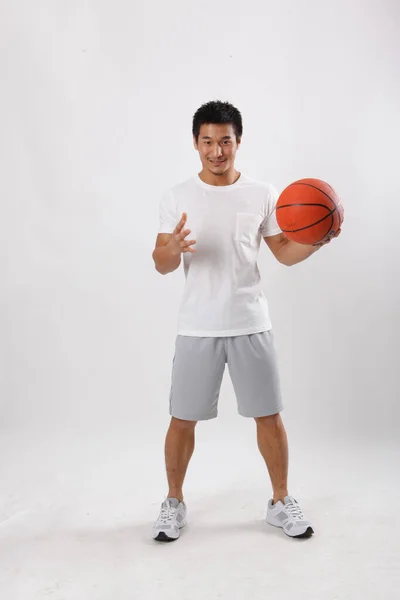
(247, 226)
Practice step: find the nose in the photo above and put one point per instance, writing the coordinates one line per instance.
(217, 151)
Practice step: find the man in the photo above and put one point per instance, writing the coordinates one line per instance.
(224, 314)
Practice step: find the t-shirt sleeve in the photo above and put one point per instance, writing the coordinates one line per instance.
(269, 225)
(168, 213)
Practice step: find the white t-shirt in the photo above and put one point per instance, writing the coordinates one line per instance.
(223, 294)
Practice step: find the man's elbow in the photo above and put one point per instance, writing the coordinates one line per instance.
(280, 257)
(286, 263)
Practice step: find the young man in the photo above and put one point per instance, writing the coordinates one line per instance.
(224, 314)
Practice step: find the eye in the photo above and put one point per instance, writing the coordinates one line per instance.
(227, 142)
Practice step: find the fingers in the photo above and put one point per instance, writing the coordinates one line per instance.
(332, 235)
(181, 223)
(180, 235)
(329, 237)
(185, 245)
(187, 249)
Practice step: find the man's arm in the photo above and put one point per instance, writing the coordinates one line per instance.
(166, 259)
(170, 246)
(290, 253)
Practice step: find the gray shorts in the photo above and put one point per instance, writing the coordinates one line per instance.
(198, 368)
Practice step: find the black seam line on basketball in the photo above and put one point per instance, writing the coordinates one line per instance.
(315, 188)
(306, 204)
(329, 228)
(308, 226)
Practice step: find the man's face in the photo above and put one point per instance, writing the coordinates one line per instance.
(217, 147)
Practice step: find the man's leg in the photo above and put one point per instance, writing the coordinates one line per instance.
(198, 366)
(254, 371)
(179, 447)
(283, 511)
(273, 445)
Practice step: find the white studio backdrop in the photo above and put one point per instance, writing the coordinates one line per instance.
(96, 107)
(96, 104)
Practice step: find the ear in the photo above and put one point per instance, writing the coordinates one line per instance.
(195, 144)
(239, 141)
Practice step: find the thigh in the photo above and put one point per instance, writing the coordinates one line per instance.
(197, 372)
(253, 368)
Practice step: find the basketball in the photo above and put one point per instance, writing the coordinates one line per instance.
(309, 211)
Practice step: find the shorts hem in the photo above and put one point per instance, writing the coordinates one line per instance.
(263, 414)
(194, 418)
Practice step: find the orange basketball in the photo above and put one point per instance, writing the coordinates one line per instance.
(309, 211)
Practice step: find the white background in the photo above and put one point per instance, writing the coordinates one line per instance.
(96, 106)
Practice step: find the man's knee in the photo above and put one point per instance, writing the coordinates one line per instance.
(269, 420)
(182, 424)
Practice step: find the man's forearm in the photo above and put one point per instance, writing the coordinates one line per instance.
(165, 260)
(292, 253)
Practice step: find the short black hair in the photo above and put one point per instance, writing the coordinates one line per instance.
(217, 112)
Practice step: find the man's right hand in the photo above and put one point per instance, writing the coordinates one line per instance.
(178, 243)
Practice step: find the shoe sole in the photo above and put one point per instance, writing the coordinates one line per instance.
(306, 534)
(163, 537)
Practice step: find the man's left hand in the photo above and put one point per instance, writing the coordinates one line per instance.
(328, 239)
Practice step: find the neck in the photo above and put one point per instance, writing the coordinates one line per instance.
(228, 178)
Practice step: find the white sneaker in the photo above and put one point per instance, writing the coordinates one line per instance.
(171, 519)
(289, 516)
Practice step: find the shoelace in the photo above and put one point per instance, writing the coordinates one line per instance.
(167, 512)
(294, 509)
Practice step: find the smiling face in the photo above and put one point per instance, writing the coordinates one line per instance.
(217, 146)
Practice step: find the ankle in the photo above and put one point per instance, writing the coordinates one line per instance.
(174, 494)
(279, 496)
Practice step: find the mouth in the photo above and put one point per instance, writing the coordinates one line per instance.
(217, 162)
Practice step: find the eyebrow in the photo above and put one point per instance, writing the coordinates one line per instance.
(226, 137)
